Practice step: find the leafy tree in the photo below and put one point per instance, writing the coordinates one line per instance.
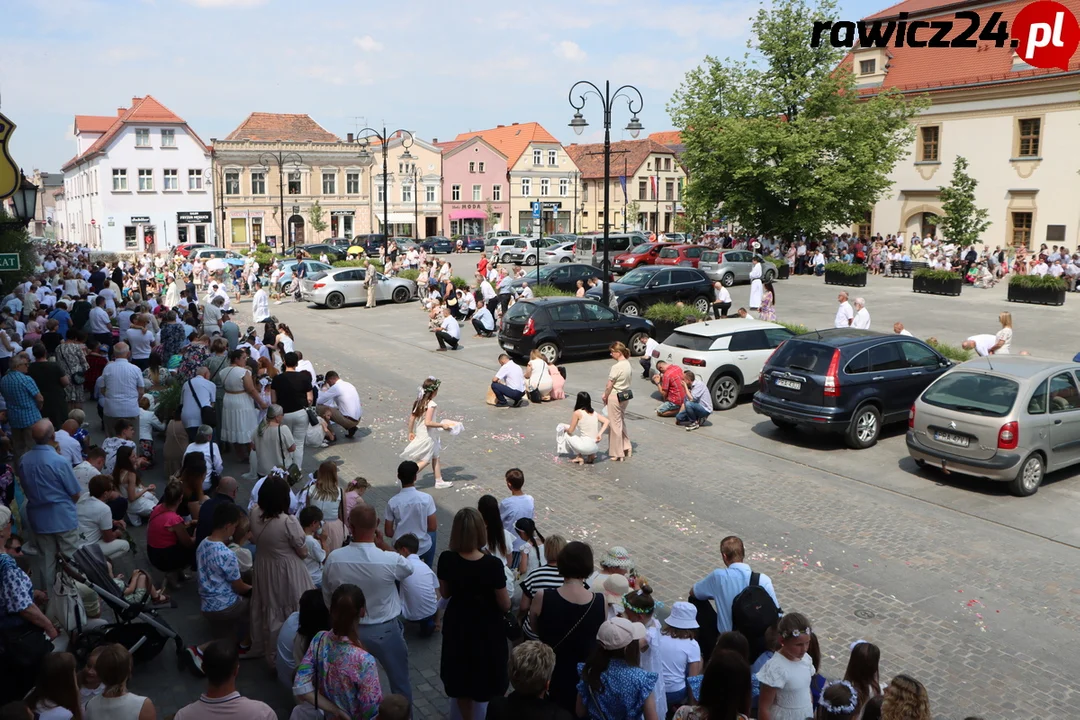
(694, 217)
(15, 239)
(964, 222)
(784, 142)
(632, 210)
(315, 218)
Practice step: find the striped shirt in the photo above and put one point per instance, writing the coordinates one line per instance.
(545, 577)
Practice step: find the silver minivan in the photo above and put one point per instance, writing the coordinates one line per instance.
(527, 250)
(500, 247)
(733, 266)
(1009, 418)
(590, 248)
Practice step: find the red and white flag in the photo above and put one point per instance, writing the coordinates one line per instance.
(655, 186)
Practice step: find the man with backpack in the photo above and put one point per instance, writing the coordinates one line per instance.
(745, 600)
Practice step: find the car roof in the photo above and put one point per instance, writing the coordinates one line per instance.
(554, 300)
(717, 328)
(840, 337)
(1017, 366)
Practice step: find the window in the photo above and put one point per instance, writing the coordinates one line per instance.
(405, 168)
(669, 190)
(142, 137)
(866, 224)
(258, 183)
(477, 193)
(886, 357)
(859, 364)
(496, 192)
(480, 167)
(595, 312)
(545, 186)
(930, 137)
(232, 183)
(642, 190)
(667, 164)
(1037, 403)
(538, 157)
(749, 340)
(294, 183)
(329, 183)
(564, 187)
(379, 193)
(553, 158)
(407, 193)
(918, 356)
(1063, 394)
(429, 194)
(168, 138)
(131, 237)
(455, 193)
(352, 183)
(472, 167)
(194, 180)
(146, 179)
(1021, 229)
(119, 180)
(171, 179)
(584, 192)
(567, 312)
(867, 67)
(678, 195)
(526, 186)
(1029, 137)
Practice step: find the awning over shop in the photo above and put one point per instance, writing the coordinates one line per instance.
(468, 215)
(398, 218)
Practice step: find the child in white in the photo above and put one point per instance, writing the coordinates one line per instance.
(785, 678)
(420, 591)
(638, 607)
(680, 654)
(517, 506)
(311, 519)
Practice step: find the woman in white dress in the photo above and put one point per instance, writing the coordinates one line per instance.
(785, 678)
(755, 284)
(586, 429)
(1003, 343)
(239, 412)
(424, 446)
(537, 376)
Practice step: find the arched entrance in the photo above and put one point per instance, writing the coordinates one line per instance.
(296, 230)
(929, 222)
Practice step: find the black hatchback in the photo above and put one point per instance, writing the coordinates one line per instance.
(562, 326)
(847, 381)
(650, 284)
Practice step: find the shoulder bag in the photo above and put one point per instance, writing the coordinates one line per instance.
(534, 394)
(206, 412)
(305, 711)
(293, 470)
(624, 395)
(575, 627)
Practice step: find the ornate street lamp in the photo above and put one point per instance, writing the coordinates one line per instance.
(366, 159)
(24, 200)
(281, 159)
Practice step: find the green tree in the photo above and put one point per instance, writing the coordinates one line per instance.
(315, 218)
(963, 222)
(15, 239)
(632, 209)
(783, 141)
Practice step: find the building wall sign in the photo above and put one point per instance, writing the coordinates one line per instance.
(140, 219)
(245, 213)
(194, 217)
(342, 213)
(466, 206)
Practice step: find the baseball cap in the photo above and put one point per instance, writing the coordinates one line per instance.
(617, 633)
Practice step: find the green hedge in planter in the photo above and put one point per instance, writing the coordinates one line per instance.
(935, 275)
(409, 274)
(841, 268)
(952, 352)
(672, 313)
(550, 291)
(459, 283)
(777, 262)
(349, 263)
(1039, 282)
(795, 328)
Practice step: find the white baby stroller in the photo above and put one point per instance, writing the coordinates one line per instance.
(138, 627)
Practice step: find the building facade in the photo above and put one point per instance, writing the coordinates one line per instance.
(46, 222)
(647, 184)
(476, 192)
(538, 170)
(137, 182)
(1016, 125)
(276, 173)
(413, 184)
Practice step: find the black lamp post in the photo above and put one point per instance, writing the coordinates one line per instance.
(575, 178)
(634, 126)
(366, 159)
(24, 200)
(281, 159)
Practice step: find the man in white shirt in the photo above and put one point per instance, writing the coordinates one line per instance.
(509, 382)
(260, 304)
(1041, 268)
(69, 446)
(526, 291)
(981, 344)
(646, 358)
(96, 524)
(92, 466)
(369, 563)
(204, 443)
(123, 318)
(100, 324)
(862, 315)
(487, 293)
(412, 512)
(898, 328)
(121, 389)
(720, 305)
(844, 314)
(449, 332)
(343, 402)
(419, 591)
(483, 322)
(205, 393)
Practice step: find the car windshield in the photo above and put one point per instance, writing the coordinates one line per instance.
(669, 252)
(686, 341)
(988, 395)
(803, 357)
(642, 249)
(638, 277)
(710, 256)
(520, 311)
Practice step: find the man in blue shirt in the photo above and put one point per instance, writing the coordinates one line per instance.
(60, 315)
(51, 493)
(722, 586)
(24, 401)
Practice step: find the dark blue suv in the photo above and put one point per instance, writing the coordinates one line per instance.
(846, 381)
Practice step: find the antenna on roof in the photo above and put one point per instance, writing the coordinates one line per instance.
(358, 122)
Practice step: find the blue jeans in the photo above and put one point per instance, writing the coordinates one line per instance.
(386, 641)
(502, 393)
(692, 412)
(676, 698)
(429, 556)
(666, 407)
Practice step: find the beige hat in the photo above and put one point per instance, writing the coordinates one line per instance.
(615, 586)
(617, 633)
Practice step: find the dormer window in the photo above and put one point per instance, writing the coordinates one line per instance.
(867, 67)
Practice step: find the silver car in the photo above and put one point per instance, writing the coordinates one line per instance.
(561, 253)
(1009, 418)
(499, 248)
(337, 286)
(527, 250)
(733, 266)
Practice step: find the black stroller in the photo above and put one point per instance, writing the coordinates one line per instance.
(138, 627)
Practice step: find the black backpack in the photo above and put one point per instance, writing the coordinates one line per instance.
(753, 611)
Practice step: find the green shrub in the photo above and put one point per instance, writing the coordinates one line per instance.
(795, 328)
(673, 313)
(952, 352)
(1042, 282)
(778, 262)
(845, 268)
(459, 283)
(409, 274)
(935, 275)
(350, 263)
(168, 400)
(550, 291)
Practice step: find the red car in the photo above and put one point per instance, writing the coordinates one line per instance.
(643, 254)
(186, 249)
(684, 255)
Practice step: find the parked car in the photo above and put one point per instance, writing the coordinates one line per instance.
(563, 276)
(682, 255)
(288, 266)
(643, 254)
(560, 253)
(185, 249)
(437, 244)
(340, 242)
(527, 250)
(590, 248)
(216, 253)
(846, 381)
(501, 246)
(474, 244)
(734, 266)
(496, 234)
(560, 327)
(674, 237)
(334, 252)
(1007, 418)
(404, 244)
(727, 356)
(371, 243)
(638, 289)
(340, 286)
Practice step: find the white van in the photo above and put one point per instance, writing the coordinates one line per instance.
(496, 233)
(590, 248)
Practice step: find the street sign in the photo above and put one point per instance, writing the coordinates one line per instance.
(536, 210)
(93, 221)
(9, 261)
(295, 209)
(552, 206)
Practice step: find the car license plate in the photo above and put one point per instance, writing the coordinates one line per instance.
(950, 439)
(790, 384)
(507, 346)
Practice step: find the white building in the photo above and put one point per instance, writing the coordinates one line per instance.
(139, 181)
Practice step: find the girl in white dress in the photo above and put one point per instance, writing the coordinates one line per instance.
(785, 678)
(424, 446)
(586, 429)
(755, 285)
(239, 413)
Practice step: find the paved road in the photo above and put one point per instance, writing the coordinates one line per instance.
(971, 590)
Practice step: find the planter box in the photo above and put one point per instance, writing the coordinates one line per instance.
(937, 287)
(662, 329)
(1036, 296)
(783, 272)
(835, 278)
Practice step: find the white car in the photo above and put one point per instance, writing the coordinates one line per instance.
(728, 355)
(561, 253)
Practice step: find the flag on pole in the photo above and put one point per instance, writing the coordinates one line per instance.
(655, 186)
(622, 181)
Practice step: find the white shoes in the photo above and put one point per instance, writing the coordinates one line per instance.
(442, 484)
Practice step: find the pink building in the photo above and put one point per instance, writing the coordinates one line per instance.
(476, 194)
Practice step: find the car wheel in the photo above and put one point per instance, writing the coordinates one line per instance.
(637, 344)
(784, 425)
(286, 288)
(728, 279)
(921, 464)
(506, 259)
(702, 304)
(335, 300)
(400, 295)
(565, 260)
(550, 351)
(630, 308)
(865, 428)
(725, 392)
(769, 276)
(531, 260)
(1029, 477)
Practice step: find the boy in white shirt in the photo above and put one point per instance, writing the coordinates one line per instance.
(515, 507)
(419, 591)
(311, 519)
(412, 512)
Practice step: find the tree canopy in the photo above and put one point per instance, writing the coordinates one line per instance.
(964, 222)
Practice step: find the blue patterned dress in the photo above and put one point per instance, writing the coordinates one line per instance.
(624, 690)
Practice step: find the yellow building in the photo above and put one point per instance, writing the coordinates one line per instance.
(414, 187)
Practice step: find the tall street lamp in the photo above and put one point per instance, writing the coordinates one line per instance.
(217, 201)
(574, 177)
(366, 159)
(281, 159)
(634, 127)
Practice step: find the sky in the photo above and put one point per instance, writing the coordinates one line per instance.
(433, 67)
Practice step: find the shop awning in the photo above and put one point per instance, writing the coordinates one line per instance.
(468, 215)
(398, 218)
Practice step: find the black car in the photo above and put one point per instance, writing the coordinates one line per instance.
(435, 244)
(563, 276)
(333, 252)
(846, 381)
(340, 242)
(651, 284)
(563, 326)
(474, 244)
(371, 243)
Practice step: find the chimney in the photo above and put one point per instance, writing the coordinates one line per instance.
(500, 126)
(434, 140)
(120, 111)
(513, 123)
(349, 137)
(135, 101)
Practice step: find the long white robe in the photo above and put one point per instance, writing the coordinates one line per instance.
(755, 287)
(172, 295)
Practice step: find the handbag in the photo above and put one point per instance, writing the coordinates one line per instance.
(215, 476)
(305, 711)
(24, 647)
(312, 416)
(624, 395)
(206, 412)
(534, 394)
(293, 470)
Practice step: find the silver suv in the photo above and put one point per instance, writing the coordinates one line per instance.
(499, 248)
(1009, 418)
(526, 250)
(734, 266)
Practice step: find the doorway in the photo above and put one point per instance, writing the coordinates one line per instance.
(296, 230)
(929, 224)
(431, 226)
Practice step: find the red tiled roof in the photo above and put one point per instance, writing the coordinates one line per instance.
(452, 146)
(590, 158)
(448, 145)
(667, 137)
(273, 127)
(511, 140)
(927, 69)
(93, 123)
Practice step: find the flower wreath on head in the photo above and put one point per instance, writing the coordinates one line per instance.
(435, 383)
(628, 604)
(839, 709)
